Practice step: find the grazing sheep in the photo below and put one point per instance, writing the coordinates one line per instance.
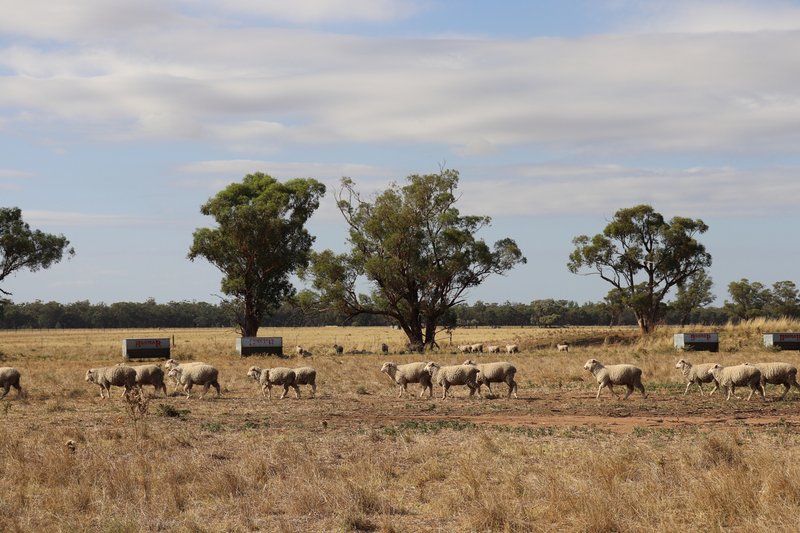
(306, 375)
(493, 349)
(477, 348)
(150, 375)
(699, 374)
(608, 376)
(268, 377)
(562, 347)
(108, 376)
(447, 376)
(299, 350)
(512, 348)
(338, 349)
(731, 377)
(499, 372)
(777, 374)
(409, 373)
(198, 374)
(465, 348)
(9, 377)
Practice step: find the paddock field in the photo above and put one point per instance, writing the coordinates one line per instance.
(358, 458)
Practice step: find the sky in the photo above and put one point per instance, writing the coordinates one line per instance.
(118, 120)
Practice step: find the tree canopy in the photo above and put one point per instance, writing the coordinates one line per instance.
(414, 251)
(259, 241)
(22, 248)
(644, 256)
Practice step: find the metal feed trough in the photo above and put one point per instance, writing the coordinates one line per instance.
(145, 348)
(784, 341)
(696, 341)
(257, 345)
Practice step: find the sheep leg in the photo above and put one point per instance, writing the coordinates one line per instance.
(314, 390)
(188, 390)
(628, 391)
(786, 388)
(598, 391)
(402, 389)
(264, 391)
(269, 390)
(715, 389)
(296, 392)
(285, 391)
(5, 391)
(512, 387)
(689, 385)
(611, 388)
(488, 386)
(445, 386)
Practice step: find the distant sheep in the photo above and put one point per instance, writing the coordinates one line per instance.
(384, 348)
(777, 374)
(447, 376)
(465, 348)
(268, 377)
(298, 350)
(477, 348)
(9, 377)
(562, 347)
(108, 376)
(150, 375)
(493, 349)
(200, 374)
(338, 349)
(512, 348)
(409, 373)
(700, 373)
(306, 375)
(730, 377)
(499, 372)
(608, 376)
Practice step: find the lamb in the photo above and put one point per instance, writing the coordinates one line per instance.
(9, 377)
(150, 375)
(499, 372)
(777, 374)
(731, 377)
(697, 374)
(306, 375)
(108, 376)
(447, 376)
(608, 376)
(196, 374)
(279, 375)
(493, 349)
(512, 348)
(562, 347)
(409, 373)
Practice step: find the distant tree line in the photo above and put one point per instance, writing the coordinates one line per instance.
(748, 300)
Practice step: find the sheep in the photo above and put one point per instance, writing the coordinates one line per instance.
(172, 363)
(699, 374)
(465, 348)
(562, 347)
(338, 349)
(196, 374)
(108, 376)
(299, 350)
(731, 377)
(384, 348)
(608, 376)
(279, 375)
(409, 373)
(9, 377)
(512, 348)
(493, 349)
(777, 374)
(150, 375)
(499, 372)
(446, 376)
(306, 375)
(477, 348)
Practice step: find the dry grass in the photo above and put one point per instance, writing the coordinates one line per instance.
(356, 458)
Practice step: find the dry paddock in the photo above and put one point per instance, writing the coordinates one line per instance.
(358, 458)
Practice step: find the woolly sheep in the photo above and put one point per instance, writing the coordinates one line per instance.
(9, 377)
(198, 374)
(512, 348)
(447, 376)
(700, 373)
(279, 375)
(731, 377)
(409, 373)
(465, 348)
(306, 375)
(108, 376)
(499, 372)
(493, 349)
(150, 375)
(169, 364)
(477, 348)
(298, 350)
(777, 374)
(562, 347)
(608, 376)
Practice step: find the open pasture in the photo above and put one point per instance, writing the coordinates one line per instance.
(358, 458)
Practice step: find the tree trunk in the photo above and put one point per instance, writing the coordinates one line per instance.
(251, 321)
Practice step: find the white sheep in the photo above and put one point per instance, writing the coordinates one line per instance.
(608, 376)
(299, 350)
(477, 348)
(108, 376)
(777, 374)
(512, 348)
(447, 376)
(493, 349)
(279, 375)
(498, 372)
(562, 347)
(731, 377)
(700, 373)
(306, 375)
(465, 348)
(409, 373)
(197, 374)
(172, 363)
(9, 377)
(150, 375)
